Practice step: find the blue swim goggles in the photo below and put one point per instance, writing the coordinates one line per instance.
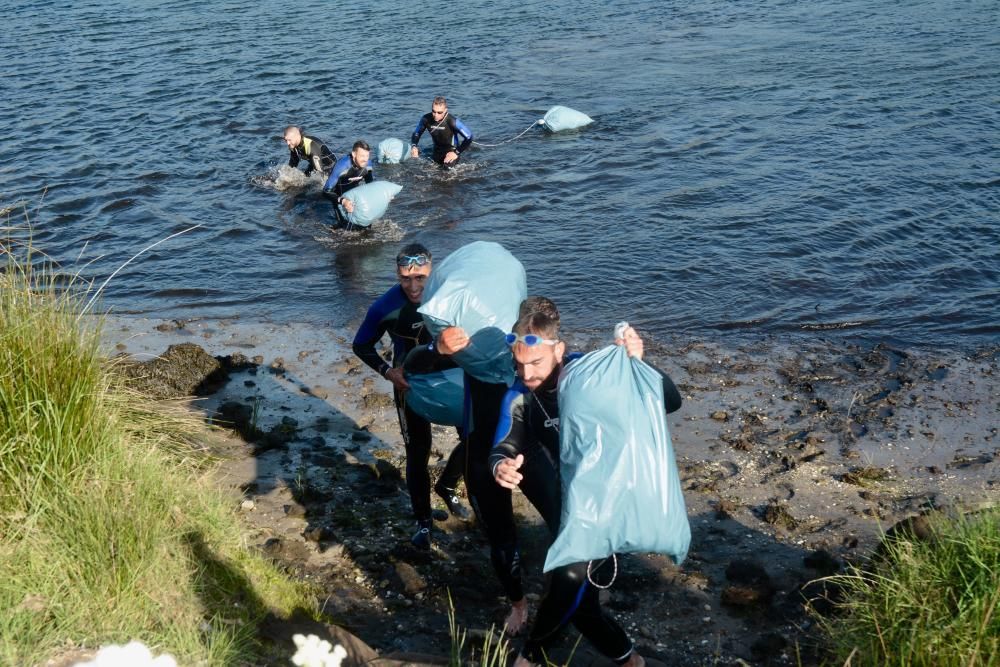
(530, 340)
(406, 261)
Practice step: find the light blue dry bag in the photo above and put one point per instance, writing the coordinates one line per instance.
(438, 396)
(620, 487)
(560, 118)
(370, 202)
(479, 288)
(392, 151)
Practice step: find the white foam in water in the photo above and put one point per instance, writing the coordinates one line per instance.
(283, 178)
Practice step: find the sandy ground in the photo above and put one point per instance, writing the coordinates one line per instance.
(795, 458)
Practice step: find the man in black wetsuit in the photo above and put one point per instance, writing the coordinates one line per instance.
(305, 147)
(526, 456)
(451, 136)
(491, 502)
(350, 171)
(395, 313)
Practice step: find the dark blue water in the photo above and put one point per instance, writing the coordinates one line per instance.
(755, 167)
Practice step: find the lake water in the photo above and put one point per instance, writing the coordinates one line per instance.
(755, 167)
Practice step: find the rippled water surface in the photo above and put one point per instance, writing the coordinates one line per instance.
(766, 167)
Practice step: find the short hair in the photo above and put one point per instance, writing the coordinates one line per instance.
(361, 143)
(290, 128)
(539, 316)
(412, 250)
(439, 100)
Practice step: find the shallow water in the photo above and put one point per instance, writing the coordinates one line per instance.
(754, 168)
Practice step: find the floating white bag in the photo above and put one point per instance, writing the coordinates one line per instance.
(392, 151)
(560, 118)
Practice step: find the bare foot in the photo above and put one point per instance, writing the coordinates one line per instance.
(635, 660)
(517, 619)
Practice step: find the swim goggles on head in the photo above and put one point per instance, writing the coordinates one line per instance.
(530, 340)
(407, 261)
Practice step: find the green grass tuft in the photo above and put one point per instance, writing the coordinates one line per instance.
(927, 602)
(110, 529)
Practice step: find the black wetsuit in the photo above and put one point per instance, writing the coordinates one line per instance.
(309, 147)
(529, 425)
(491, 502)
(395, 314)
(345, 177)
(449, 134)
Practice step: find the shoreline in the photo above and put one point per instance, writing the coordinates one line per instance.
(786, 451)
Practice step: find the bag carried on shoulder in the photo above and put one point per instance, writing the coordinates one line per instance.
(620, 485)
(479, 288)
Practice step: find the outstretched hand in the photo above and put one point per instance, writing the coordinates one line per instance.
(632, 343)
(506, 472)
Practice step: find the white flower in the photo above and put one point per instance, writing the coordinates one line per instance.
(133, 654)
(315, 652)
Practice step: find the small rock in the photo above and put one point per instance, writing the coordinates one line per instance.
(248, 505)
(720, 415)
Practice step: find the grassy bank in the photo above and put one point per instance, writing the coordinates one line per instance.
(110, 529)
(932, 600)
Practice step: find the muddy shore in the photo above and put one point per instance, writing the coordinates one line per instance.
(795, 458)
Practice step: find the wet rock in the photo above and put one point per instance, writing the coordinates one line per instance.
(320, 534)
(410, 579)
(236, 362)
(280, 632)
(241, 418)
(751, 585)
(376, 400)
(823, 562)
(747, 571)
(383, 470)
(720, 415)
(775, 514)
(295, 511)
(863, 476)
(726, 509)
(768, 646)
(319, 392)
(183, 370)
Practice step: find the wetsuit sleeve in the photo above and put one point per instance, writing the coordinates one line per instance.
(511, 436)
(293, 157)
(418, 131)
(369, 334)
(671, 396)
(425, 358)
(333, 188)
(369, 173)
(463, 133)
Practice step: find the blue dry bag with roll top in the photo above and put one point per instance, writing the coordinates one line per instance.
(620, 487)
(370, 202)
(560, 118)
(438, 396)
(392, 151)
(479, 288)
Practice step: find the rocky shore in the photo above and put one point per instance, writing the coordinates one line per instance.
(796, 457)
